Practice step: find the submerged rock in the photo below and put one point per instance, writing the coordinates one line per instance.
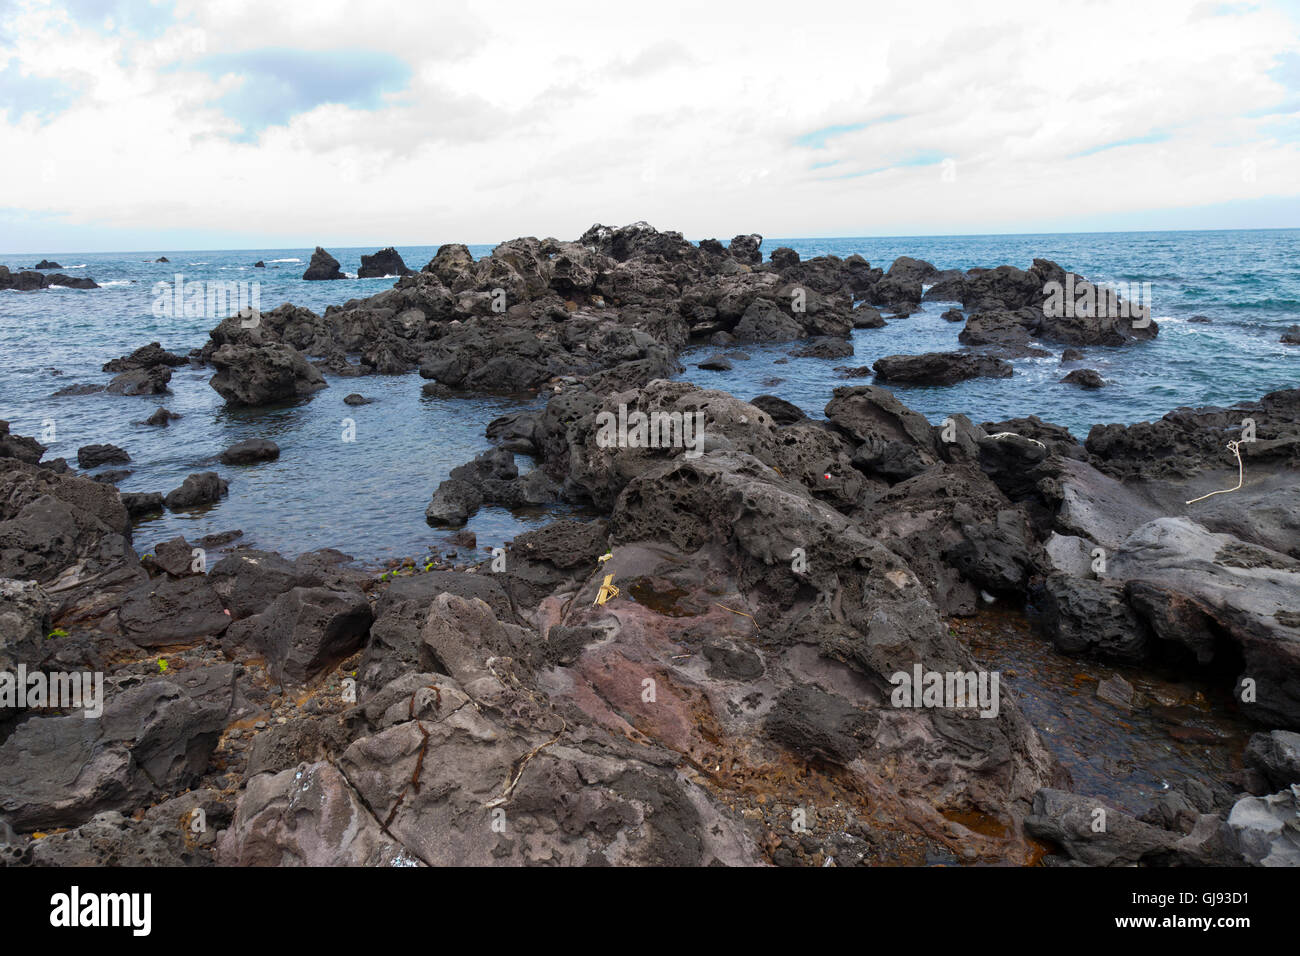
(250, 452)
(939, 368)
(196, 491)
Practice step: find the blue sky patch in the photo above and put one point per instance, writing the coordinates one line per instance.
(818, 137)
(1117, 144)
(279, 83)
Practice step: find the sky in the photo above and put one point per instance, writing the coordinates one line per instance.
(241, 124)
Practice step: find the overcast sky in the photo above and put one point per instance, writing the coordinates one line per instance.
(243, 123)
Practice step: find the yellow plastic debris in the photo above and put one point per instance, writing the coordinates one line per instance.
(607, 590)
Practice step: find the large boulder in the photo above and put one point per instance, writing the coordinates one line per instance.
(172, 612)
(67, 529)
(1201, 591)
(261, 375)
(197, 491)
(306, 631)
(61, 771)
(92, 456)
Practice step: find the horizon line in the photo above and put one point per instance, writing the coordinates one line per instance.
(766, 239)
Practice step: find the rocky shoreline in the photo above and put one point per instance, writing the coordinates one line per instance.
(706, 670)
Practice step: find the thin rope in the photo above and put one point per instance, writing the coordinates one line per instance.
(1235, 448)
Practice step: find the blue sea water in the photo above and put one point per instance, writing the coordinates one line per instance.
(368, 497)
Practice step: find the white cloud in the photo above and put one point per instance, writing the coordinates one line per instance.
(539, 119)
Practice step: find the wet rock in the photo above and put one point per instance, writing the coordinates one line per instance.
(19, 447)
(1291, 336)
(161, 417)
(144, 358)
(825, 348)
(1084, 378)
(867, 317)
(385, 262)
(47, 264)
(219, 538)
(1071, 355)
(112, 476)
(939, 368)
(1086, 616)
(80, 389)
(150, 381)
(92, 456)
(31, 280)
(259, 264)
(1117, 692)
(716, 363)
(196, 491)
(1000, 327)
(322, 266)
(452, 504)
(251, 451)
(139, 504)
(355, 399)
(953, 315)
(260, 375)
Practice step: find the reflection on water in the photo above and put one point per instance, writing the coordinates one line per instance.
(1183, 728)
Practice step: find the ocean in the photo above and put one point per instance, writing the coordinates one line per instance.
(367, 497)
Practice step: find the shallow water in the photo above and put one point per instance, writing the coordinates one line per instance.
(1184, 727)
(368, 497)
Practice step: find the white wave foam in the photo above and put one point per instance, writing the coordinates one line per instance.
(284, 260)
